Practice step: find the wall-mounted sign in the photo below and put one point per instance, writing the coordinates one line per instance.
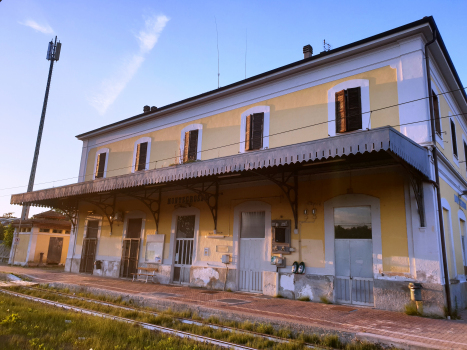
(185, 199)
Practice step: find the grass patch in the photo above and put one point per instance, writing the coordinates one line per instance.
(29, 325)
(168, 319)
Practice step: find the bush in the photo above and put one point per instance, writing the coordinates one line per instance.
(8, 235)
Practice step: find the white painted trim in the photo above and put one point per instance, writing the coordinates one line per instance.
(249, 207)
(256, 109)
(191, 127)
(102, 150)
(84, 162)
(135, 214)
(439, 136)
(148, 155)
(445, 205)
(364, 84)
(455, 158)
(176, 213)
(353, 200)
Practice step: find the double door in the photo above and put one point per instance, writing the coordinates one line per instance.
(130, 248)
(88, 254)
(354, 271)
(184, 241)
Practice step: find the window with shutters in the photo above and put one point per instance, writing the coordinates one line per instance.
(454, 138)
(254, 131)
(436, 114)
(190, 151)
(190, 143)
(348, 110)
(100, 166)
(141, 154)
(465, 156)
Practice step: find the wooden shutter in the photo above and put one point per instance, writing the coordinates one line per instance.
(100, 166)
(248, 132)
(257, 131)
(193, 145)
(354, 109)
(465, 155)
(141, 155)
(185, 146)
(341, 124)
(453, 137)
(436, 113)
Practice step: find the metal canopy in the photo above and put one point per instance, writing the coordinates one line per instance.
(381, 139)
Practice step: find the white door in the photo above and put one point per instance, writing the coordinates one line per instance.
(252, 245)
(184, 248)
(353, 250)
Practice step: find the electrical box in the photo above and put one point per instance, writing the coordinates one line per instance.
(206, 251)
(281, 236)
(278, 261)
(225, 259)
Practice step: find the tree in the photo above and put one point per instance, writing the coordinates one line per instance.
(7, 215)
(8, 235)
(2, 228)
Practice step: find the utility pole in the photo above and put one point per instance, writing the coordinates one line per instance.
(53, 54)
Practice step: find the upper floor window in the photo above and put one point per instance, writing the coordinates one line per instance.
(348, 110)
(436, 113)
(141, 154)
(254, 129)
(100, 168)
(46, 230)
(190, 143)
(454, 138)
(349, 106)
(465, 155)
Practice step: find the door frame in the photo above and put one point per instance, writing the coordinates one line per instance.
(352, 200)
(250, 206)
(85, 232)
(176, 213)
(134, 214)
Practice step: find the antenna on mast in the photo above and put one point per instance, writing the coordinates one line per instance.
(246, 47)
(218, 69)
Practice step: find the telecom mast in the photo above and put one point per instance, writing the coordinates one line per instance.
(53, 54)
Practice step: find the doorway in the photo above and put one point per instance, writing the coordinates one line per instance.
(54, 254)
(252, 236)
(130, 248)
(88, 255)
(184, 240)
(353, 247)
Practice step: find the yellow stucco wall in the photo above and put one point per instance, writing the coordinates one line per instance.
(42, 246)
(452, 229)
(22, 249)
(388, 186)
(291, 111)
(444, 112)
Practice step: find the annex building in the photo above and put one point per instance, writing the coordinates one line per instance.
(333, 162)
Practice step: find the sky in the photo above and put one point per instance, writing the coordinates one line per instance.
(118, 56)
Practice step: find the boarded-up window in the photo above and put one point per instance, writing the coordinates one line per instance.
(348, 110)
(436, 113)
(190, 151)
(134, 228)
(254, 131)
(141, 155)
(454, 138)
(100, 166)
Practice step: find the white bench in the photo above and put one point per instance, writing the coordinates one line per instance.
(145, 271)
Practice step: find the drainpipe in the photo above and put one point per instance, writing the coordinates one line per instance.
(438, 192)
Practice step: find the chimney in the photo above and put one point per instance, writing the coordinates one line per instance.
(146, 109)
(307, 51)
(153, 108)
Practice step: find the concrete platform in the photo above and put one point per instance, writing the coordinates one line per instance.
(350, 322)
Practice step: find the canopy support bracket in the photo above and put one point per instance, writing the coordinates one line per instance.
(153, 204)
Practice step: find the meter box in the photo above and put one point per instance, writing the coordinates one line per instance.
(281, 236)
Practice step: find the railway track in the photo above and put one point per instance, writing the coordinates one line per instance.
(151, 326)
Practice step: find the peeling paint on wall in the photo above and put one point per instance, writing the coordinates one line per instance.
(206, 274)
